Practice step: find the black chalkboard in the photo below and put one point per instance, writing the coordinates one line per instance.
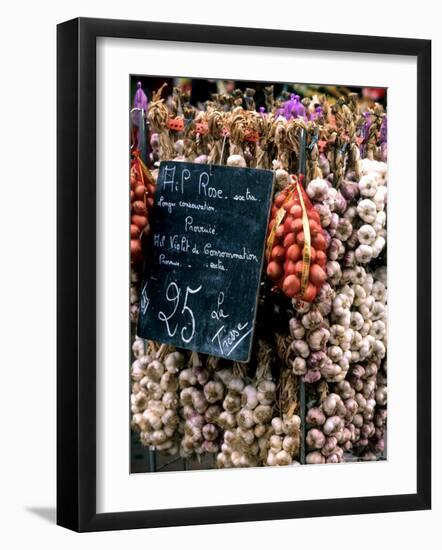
(208, 229)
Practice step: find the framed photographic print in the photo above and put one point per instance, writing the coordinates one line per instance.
(226, 304)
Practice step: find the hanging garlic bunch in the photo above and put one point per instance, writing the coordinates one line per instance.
(327, 434)
(284, 436)
(248, 410)
(154, 398)
(360, 385)
(371, 210)
(201, 396)
(246, 420)
(134, 296)
(347, 347)
(377, 441)
(284, 440)
(355, 236)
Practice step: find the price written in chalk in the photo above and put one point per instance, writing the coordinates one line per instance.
(205, 258)
(186, 316)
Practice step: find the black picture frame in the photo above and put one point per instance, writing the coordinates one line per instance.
(76, 274)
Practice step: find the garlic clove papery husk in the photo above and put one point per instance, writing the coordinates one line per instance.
(262, 414)
(266, 391)
(259, 430)
(283, 458)
(249, 397)
(271, 459)
(291, 444)
(315, 439)
(174, 362)
(213, 391)
(299, 366)
(314, 457)
(245, 418)
(187, 378)
(275, 442)
(277, 425)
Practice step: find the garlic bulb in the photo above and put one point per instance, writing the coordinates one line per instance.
(282, 179)
(367, 210)
(236, 160)
(317, 189)
(368, 185)
(366, 234)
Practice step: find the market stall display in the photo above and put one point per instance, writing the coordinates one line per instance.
(315, 387)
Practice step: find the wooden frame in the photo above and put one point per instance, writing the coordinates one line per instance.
(76, 272)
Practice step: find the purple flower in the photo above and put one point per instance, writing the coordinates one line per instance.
(140, 99)
(292, 108)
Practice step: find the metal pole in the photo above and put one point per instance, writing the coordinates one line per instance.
(302, 152)
(302, 406)
(152, 460)
(151, 454)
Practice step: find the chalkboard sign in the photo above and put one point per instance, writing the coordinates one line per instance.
(208, 229)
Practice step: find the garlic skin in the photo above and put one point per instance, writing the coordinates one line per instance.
(324, 213)
(380, 197)
(378, 246)
(315, 439)
(213, 391)
(187, 378)
(344, 229)
(315, 417)
(299, 366)
(363, 254)
(312, 320)
(266, 392)
(317, 190)
(315, 457)
(232, 402)
(282, 179)
(301, 348)
(368, 185)
(350, 191)
(334, 273)
(237, 161)
(138, 347)
(201, 159)
(318, 338)
(367, 210)
(366, 234)
(249, 399)
(277, 425)
(380, 221)
(174, 362)
(297, 329)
